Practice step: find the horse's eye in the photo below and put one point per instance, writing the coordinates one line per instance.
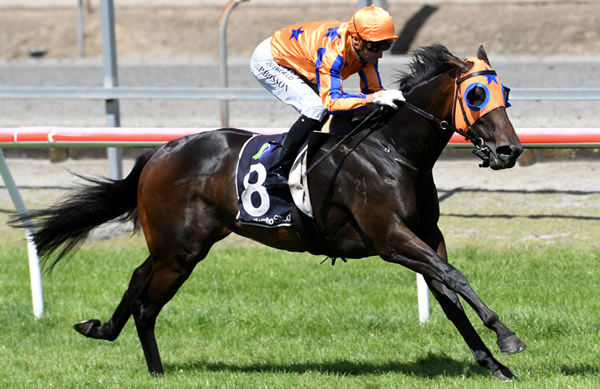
(476, 96)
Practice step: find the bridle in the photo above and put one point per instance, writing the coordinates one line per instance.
(378, 117)
(481, 150)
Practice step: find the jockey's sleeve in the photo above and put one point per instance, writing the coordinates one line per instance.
(329, 81)
(370, 80)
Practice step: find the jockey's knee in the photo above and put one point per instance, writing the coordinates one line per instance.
(318, 113)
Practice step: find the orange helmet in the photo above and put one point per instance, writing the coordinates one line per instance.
(372, 24)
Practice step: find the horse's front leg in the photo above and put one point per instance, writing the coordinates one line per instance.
(400, 245)
(410, 251)
(454, 311)
(508, 342)
(452, 308)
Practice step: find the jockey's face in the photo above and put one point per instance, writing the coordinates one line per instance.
(365, 54)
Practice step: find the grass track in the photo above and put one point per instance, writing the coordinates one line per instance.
(256, 317)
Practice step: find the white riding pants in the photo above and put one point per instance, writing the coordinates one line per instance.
(285, 84)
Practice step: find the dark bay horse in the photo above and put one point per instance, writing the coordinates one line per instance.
(375, 197)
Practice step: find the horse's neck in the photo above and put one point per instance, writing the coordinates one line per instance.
(418, 139)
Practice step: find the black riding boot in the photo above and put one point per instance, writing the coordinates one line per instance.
(277, 174)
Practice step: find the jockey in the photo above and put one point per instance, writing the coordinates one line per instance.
(304, 64)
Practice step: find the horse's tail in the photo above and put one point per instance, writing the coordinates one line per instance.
(66, 225)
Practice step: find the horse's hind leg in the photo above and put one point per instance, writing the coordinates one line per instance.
(152, 285)
(167, 277)
(111, 329)
(168, 273)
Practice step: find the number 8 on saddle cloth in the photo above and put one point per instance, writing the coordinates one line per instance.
(256, 205)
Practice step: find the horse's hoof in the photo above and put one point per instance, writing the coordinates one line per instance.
(511, 344)
(505, 375)
(85, 327)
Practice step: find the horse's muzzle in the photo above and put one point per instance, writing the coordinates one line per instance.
(505, 156)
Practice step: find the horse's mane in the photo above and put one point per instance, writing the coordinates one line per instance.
(427, 62)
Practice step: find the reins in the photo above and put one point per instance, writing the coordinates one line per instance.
(378, 115)
(380, 111)
(481, 149)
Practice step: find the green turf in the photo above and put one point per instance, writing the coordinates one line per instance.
(260, 318)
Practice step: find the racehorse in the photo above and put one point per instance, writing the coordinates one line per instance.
(376, 197)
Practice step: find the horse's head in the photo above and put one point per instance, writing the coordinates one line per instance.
(479, 111)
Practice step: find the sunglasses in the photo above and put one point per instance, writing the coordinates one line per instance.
(374, 46)
(378, 46)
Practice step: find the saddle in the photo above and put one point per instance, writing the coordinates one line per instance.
(283, 207)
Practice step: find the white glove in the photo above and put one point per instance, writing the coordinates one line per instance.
(387, 97)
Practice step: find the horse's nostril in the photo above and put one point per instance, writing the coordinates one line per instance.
(517, 150)
(508, 151)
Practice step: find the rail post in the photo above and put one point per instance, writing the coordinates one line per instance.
(35, 274)
(380, 3)
(111, 80)
(223, 81)
(80, 29)
(422, 299)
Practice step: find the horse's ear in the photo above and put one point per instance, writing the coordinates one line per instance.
(481, 54)
(461, 66)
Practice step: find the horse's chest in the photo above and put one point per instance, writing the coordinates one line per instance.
(360, 190)
(413, 201)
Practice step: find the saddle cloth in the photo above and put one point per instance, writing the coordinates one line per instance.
(272, 207)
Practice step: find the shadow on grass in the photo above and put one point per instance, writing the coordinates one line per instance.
(580, 370)
(428, 367)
